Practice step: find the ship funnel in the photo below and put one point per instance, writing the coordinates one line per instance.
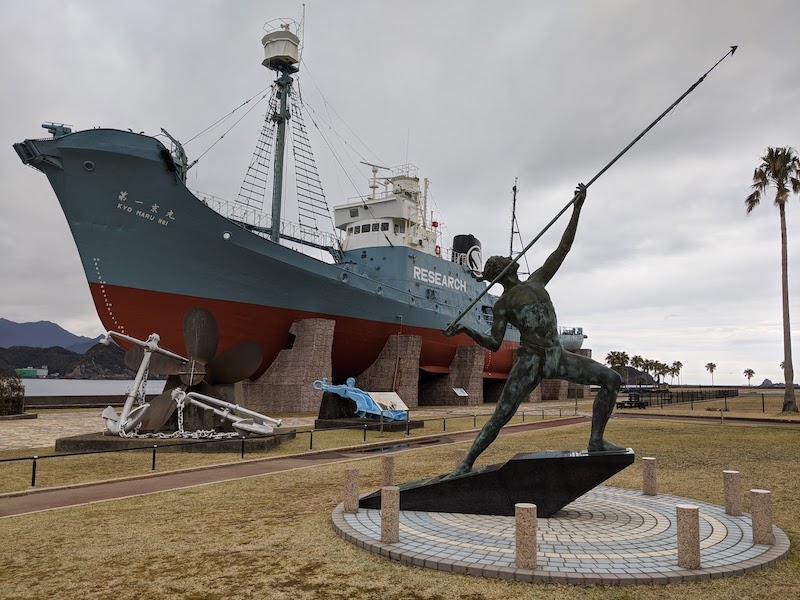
(467, 252)
(281, 46)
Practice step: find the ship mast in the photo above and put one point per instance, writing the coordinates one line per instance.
(513, 219)
(281, 54)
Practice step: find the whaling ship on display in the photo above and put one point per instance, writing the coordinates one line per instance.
(151, 248)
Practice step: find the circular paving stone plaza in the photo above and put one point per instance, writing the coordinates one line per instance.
(608, 536)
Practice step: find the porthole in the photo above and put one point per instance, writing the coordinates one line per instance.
(88, 165)
(226, 235)
(343, 277)
(379, 291)
(411, 301)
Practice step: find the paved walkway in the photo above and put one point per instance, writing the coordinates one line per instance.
(608, 536)
(35, 500)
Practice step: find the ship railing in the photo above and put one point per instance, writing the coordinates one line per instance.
(570, 330)
(460, 258)
(261, 222)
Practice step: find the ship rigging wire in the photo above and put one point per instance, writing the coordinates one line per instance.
(239, 120)
(218, 121)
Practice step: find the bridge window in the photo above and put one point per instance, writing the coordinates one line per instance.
(384, 226)
(376, 226)
(354, 213)
(357, 229)
(349, 230)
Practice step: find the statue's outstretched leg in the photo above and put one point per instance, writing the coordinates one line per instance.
(522, 379)
(609, 382)
(583, 370)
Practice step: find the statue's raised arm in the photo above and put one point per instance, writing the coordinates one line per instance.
(553, 263)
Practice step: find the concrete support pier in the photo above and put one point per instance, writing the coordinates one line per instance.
(286, 384)
(466, 372)
(396, 369)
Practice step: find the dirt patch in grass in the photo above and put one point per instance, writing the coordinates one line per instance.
(271, 537)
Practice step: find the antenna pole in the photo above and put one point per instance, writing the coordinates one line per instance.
(590, 182)
(513, 218)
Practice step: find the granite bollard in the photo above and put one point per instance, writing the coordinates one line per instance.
(387, 470)
(525, 520)
(688, 536)
(351, 490)
(761, 509)
(390, 514)
(732, 484)
(649, 476)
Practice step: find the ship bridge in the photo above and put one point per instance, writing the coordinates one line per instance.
(392, 217)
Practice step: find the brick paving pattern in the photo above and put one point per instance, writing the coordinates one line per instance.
(609, 536)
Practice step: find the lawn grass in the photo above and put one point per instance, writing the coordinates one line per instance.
(271, 536)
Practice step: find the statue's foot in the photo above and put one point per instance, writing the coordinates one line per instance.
(462, 469)
(603, 446)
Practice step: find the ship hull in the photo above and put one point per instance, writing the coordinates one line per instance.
(356, 344)
(151, 249)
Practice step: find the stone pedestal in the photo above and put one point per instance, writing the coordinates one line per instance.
(761, 509)
(576, 390)
(732, 485)
(390, 514)
(286, 384)
(649, 476)
(396, 369)
(466, 371)
(554, 389)
(493, 389)
(688, 536)
(525, 538)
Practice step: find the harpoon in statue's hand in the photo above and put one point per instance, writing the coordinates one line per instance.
(454, 329)
(580, 195)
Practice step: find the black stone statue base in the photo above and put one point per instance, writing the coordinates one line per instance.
(550, 480)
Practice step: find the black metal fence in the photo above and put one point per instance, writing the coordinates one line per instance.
(241, 442)
(713, 399)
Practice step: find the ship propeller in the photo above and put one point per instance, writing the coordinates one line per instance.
(204, 369)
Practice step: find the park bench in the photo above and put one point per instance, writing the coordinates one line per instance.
(637, 403)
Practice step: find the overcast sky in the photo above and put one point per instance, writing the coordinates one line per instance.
(665, 265)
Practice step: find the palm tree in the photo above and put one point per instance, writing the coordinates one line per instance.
(677, 366)
(749, 373)
(619, 362)
(780, 167)
(637, 362)
(711, 367)
(662, 370)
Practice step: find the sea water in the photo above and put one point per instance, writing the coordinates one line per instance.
(86, 387)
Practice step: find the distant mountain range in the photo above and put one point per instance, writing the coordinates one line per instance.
(71, 356)
(43, 334)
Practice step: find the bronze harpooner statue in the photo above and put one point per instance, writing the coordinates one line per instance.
(527, 306)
